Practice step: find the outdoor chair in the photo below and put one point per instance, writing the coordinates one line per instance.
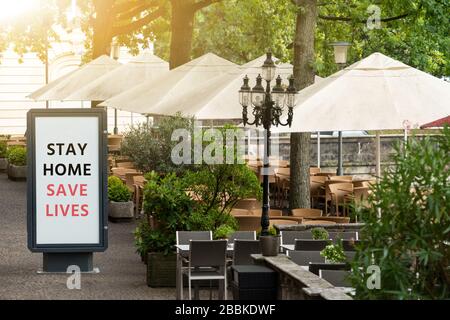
(184, 238)
(349, 235)
(138, 194)
(243, 249)
(281, 191)
(315, 267)
(248, 222)
(207, 261)
(314, 170)
(342, 178)
(349, 245)
(310, 245)
(306, 213)
(336, 194)
(240, 212)
(303, 258)
(317, 189)
(272, 212)
(337, 278)
(242, 235)
(289, 237)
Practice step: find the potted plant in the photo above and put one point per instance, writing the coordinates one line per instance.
(334, 253)
(270, 244)
(3, 156)
(17, 163)
(223, 232)
(320, 234)
(120, 204)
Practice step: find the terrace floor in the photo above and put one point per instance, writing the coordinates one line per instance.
(122, 274)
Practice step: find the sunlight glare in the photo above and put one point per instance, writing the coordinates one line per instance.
(13, 9)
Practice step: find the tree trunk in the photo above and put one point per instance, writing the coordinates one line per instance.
(304, 76)
(183, 16)
(103, 25)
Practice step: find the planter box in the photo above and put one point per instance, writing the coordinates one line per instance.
(121, 210)
(161, 270)
(17, 173)
(270, 245)
(3, 164)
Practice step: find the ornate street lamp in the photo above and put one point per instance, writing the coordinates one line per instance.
(268, 108)
(340, 58)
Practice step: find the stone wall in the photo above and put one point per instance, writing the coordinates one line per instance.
(359, 156)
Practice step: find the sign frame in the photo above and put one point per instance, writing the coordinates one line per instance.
(101, 115)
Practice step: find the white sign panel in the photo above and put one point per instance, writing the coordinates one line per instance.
(67, 177)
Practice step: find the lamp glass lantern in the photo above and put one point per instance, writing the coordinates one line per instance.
(269, 68)
(291, 92)
(340, 52)
(258, 94)
(245, 93)
(278, 93)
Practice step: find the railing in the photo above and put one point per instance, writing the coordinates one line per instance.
(296, 283)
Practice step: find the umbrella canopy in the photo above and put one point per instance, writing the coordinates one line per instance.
(217, 99)
(62, 88)
(376, 93)
(41, 91)
(144, 67)
(438, 123)
(175, 82)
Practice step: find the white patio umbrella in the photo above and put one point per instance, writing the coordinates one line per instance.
(41, 91)
(145, 66)
(176, 82)
(376, 93)
(62, 88)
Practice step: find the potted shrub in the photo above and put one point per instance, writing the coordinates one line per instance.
(223, 232)
(120, 204)
(3, 156)
(270, 244)
(17, 163)
(320, 234)
(334, 253)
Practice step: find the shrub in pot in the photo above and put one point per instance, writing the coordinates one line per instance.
(3, 156)
(320, 234)
(270, 244)
(334, 253)
(17, 163)
(120, 204)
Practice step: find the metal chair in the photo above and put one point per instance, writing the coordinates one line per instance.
(207, 261)
(184, 238)
(310, 245)
(289, 237)
(303, 258)
(337, 278)
(315, 267)
(349, 235)
(242, 235)
(243, 249)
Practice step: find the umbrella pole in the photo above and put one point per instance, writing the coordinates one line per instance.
(340, 169)
(318, 149)
(116, 129)
(378, 155)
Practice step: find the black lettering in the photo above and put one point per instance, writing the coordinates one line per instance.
(74, 170)
(60, 148)
(87, 169)
(46, 169)
(51, 151)
(82, 148)
(70, 150)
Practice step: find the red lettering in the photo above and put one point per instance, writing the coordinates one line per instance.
(85, 209)
(83, 190)
(50, 190)
(61, 191)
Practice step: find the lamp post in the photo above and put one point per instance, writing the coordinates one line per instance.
(268, 108)
(340, 58)
(115, 52)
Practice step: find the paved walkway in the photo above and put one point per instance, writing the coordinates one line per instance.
(122, 273)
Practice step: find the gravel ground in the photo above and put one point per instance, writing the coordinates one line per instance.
(122, 274)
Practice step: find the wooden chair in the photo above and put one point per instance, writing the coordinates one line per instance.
(281, 192)
(272, 212)
(240, 212)
(314, 170)
(127, 165)
(317, 189)
(138, 195)
(305, 213)
(248, 222)
(342, 178)
(335, 193)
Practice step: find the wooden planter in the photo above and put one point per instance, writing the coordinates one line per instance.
(161, 270)
(17, 173)
(3, 164)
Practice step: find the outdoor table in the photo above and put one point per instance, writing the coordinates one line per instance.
(183, 249)
(289, 247)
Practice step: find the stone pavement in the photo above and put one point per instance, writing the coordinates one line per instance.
(122, 273)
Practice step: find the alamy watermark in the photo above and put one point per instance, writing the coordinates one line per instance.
(74, 280)
(374, 20)
(220, 145)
